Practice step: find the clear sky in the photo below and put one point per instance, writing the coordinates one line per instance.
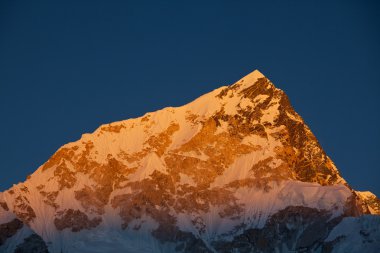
(67, 67)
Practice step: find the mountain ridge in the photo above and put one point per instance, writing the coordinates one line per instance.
(224, 165)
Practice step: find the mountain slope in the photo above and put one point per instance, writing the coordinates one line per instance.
(194, 178)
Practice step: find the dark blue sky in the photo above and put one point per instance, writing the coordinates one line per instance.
(66, 68)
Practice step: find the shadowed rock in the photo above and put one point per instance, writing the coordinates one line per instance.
(32, 244)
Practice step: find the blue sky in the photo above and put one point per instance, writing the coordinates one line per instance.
(67, 67)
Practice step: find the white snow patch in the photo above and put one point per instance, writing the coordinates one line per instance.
(149, 164)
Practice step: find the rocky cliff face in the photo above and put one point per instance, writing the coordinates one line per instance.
(236, 170)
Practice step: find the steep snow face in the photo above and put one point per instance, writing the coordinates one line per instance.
(192, 175)
(360, 234)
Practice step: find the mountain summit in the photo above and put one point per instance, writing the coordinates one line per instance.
(236, 170)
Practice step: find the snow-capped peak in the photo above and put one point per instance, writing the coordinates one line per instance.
(251, 78)
(235, 159)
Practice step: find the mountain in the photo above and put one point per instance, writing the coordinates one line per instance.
(236, 170)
